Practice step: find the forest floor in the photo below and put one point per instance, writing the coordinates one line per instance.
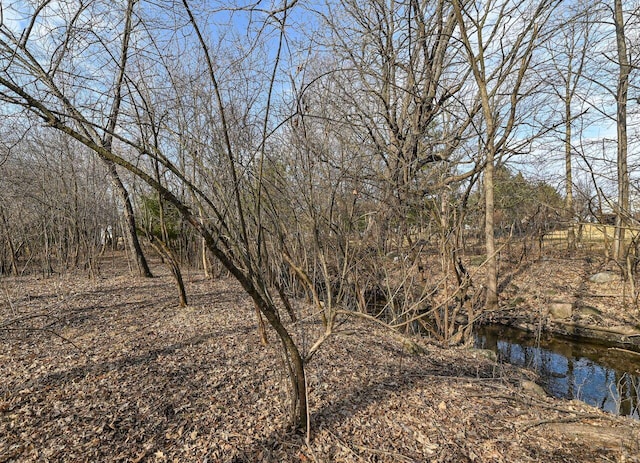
(111, 369)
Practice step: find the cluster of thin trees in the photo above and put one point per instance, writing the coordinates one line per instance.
(314, 148)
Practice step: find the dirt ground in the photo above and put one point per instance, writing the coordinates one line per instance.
(110, 369)
(530, 288)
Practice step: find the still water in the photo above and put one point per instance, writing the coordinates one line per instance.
(601, 376)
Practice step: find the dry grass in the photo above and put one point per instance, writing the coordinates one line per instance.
(590, 234)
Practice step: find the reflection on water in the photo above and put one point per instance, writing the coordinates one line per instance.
(607, 378)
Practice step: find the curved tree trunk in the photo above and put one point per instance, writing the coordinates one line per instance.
(174, 266)
(295, 364)
(294, 361)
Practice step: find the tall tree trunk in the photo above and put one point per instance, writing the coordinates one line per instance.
(622, 209)
(107, 143)
(203, 252)
(129, 221)
(489, 230)
(571, 235)
(12, 249)
(506, 79)
(161, 243)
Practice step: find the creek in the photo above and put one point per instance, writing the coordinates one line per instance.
(603, 376)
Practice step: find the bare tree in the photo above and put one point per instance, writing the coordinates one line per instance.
(236, 239)
(568, 51)
(622, 96)
(48, 182)
(394, 99)
(499, 62)
(394, 82)
(609, 68)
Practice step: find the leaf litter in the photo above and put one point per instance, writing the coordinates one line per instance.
(111, 369)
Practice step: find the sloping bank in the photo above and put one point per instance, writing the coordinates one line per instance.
(557, 320)
(577, 315)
